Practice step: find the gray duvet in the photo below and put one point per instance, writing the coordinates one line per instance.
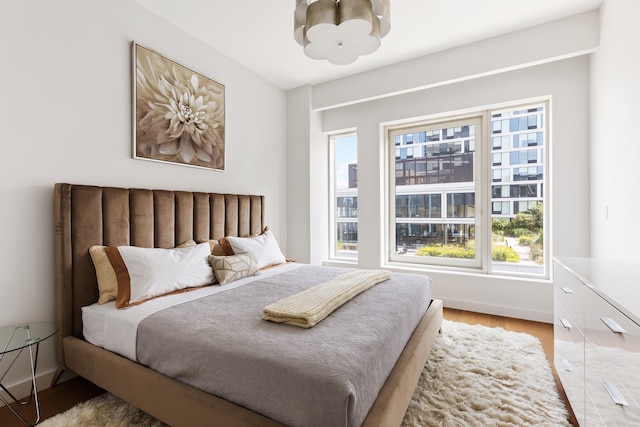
(328, 375)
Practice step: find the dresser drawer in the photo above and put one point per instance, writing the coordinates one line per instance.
(568, 351)
(624, 366)
(591, 414)
(614, 404)
(619, 351)
(569, 292)
(568, 343)
(595, 327)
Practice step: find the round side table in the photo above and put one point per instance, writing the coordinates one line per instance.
(15, 339)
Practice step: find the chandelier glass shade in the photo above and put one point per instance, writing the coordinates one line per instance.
(340, 30)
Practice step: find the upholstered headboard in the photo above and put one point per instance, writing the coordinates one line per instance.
(90, 215)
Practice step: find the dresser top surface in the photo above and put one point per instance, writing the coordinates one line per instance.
(617, 281)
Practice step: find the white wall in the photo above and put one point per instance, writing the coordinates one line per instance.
(567, 83)
(550, 61)
(568, 37)
(65, 116)
(615, 109)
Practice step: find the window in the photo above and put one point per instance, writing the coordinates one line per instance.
(344, 196)
(459, 169)
(435, 205)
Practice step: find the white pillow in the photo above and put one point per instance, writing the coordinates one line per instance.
(263, 249)
(145, 273)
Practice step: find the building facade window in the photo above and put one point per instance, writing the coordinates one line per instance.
(443, 174)
(344, 196)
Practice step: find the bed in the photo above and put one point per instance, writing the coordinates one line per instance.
(90, 215)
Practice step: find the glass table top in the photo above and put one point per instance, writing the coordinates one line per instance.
(20, 336)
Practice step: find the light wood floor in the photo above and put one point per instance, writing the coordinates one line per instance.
(66, 395)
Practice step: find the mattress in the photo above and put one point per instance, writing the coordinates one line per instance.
(215, 339)
(116, 329)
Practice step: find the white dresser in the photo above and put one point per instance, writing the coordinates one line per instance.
(597, 339)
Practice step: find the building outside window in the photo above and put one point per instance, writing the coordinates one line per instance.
(344, 198)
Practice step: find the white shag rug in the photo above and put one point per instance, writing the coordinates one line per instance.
(475, 376)
(480, 376)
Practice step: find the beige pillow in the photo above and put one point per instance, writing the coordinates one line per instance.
(216, 248)
(107, 281)
(230, 268)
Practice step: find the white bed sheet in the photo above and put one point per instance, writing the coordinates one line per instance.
(116, 329)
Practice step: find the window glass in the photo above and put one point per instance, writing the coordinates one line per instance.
(518, 224)
(345, 196)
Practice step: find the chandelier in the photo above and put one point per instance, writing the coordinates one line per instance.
(340, 30)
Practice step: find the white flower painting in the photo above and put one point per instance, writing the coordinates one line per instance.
(179, 114)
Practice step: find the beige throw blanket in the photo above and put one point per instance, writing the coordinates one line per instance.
(309, 307)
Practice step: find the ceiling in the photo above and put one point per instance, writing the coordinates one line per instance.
(259, 33)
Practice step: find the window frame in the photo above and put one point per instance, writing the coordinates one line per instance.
(390, 131)
(484, 142)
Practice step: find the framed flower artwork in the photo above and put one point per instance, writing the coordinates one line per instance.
(179, 114)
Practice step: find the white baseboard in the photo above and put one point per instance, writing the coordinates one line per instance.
(23, 388)
(499, 310)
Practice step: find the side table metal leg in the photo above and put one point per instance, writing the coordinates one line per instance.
(57, 375)
(13, 410)
(33, 393)
(34, 387)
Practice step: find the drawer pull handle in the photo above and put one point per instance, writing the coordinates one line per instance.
(617, 397)
(613, 325)
(566, 323)
(566, 365)
(567, 290)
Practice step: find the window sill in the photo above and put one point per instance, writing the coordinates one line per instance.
(465, 272)
(341, 262)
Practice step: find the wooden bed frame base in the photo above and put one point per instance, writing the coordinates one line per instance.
(178, 404)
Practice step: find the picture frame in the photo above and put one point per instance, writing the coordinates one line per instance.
(178, 113)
